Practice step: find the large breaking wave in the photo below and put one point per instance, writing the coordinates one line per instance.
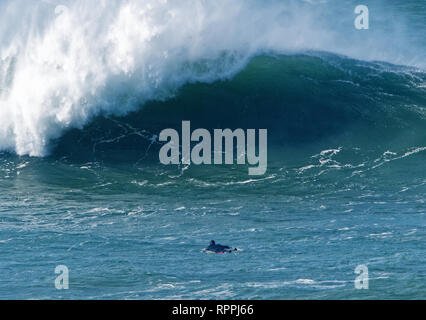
(64, 62)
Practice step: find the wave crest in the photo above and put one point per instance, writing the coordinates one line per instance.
(67, 61)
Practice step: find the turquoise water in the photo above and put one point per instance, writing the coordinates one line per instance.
(122, 237)
(345, 183)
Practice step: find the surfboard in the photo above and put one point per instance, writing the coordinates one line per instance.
(220, 252)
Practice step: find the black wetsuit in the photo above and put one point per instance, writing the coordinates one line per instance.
(219, 248)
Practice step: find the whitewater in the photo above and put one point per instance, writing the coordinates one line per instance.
(87, 87)
(64, 62)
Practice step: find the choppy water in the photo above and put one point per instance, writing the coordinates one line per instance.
(346, 178)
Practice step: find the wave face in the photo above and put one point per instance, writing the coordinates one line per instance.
(90, 84)
(304, 101)
(64, 62)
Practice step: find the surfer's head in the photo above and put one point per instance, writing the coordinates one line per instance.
(212, 243)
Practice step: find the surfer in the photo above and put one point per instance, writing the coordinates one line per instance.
(218, 248)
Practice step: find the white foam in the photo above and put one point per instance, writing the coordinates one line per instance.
(63, 62)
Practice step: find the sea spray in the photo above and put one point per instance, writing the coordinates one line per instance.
(61, 66)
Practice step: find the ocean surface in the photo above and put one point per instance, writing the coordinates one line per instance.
(86, 88)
